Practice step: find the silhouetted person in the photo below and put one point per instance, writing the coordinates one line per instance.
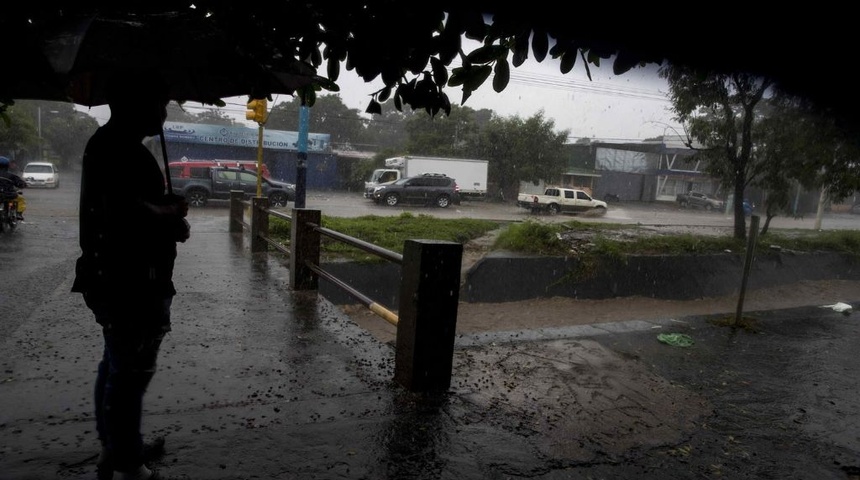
(129, 227)
(17, 182)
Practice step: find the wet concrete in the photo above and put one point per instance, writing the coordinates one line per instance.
(258, 382)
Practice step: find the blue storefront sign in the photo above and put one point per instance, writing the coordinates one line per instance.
(204, 134)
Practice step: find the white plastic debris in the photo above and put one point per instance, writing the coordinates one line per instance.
(839, 307)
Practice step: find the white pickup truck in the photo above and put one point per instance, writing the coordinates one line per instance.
(561, 200)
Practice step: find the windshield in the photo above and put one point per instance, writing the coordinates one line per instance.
(38, 169)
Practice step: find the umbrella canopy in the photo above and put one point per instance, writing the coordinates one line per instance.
(199, 61)
(28, 74)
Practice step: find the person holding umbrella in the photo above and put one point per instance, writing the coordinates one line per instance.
(128, 236)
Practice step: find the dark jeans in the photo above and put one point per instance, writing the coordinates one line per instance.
(132, 338)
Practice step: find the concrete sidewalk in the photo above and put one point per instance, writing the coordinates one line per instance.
(258, 382)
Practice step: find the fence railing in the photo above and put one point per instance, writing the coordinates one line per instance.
(426, 319)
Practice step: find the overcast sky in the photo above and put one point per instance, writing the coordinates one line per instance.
(628, 107)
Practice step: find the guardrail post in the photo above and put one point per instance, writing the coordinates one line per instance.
(259, 224)
(236, 211)
(427, 317)
(304, 249)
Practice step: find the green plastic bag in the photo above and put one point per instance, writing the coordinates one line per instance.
(676, 339)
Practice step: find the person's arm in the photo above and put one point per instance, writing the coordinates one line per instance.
(170, 214)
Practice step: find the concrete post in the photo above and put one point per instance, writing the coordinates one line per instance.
(427, 317)
(236, 211)
(304, 249)
(259, 224)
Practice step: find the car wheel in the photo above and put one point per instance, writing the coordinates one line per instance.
(709, 207)
(392, 199)
(553, 209)
(278, 200)
(600, 211)
(442, 201)
(197, 198)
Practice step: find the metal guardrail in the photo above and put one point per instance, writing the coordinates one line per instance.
(429, 289)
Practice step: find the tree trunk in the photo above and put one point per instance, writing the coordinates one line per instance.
(766, 223)
(740, 218)
(820, 212)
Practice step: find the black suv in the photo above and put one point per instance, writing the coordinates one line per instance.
(427, 189)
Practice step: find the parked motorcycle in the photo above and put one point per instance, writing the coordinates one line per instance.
(8, 209)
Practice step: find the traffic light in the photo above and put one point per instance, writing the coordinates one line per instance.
(257, 110)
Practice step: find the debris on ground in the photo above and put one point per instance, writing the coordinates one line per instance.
(840, 307)
(676, 339)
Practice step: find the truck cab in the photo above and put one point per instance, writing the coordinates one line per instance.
(378, 177)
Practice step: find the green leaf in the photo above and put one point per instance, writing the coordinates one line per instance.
(593, 58)
(540, 44)
(383, 94)
(502, 75)
(521, 49)
(326, 84)
(568, 60)
(477, 76)
(466, 95)
(449, 45)
(374, 108)
(440, 71)
(333, 69)
(458, 77)
(487, 54)
(307, 95)
(446, 104)
(624, 62)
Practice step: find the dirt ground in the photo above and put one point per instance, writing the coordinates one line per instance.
(558, 312)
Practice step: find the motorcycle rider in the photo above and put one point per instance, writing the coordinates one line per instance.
(18, 182)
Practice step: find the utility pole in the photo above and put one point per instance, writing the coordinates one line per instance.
(39, 122)
(301, 166)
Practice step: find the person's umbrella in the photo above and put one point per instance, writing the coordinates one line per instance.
(28, 74)
(200, 62)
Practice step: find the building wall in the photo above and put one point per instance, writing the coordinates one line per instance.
(322, 170)
(280, 152)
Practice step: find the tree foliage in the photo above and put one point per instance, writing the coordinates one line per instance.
(386, 131)
(719, 111)
(328, 115)
(520, 149)
(417, 48)
(797, 146)
(64, 133)
(447, 136)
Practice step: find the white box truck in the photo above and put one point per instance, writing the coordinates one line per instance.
(470, 174)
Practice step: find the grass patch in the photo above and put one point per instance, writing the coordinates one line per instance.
(843, 241)
(589, 241)
(532, 237)
(388, 232)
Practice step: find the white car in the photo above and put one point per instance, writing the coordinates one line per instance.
(41, 174)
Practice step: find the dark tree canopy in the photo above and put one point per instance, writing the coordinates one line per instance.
(411, 45)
